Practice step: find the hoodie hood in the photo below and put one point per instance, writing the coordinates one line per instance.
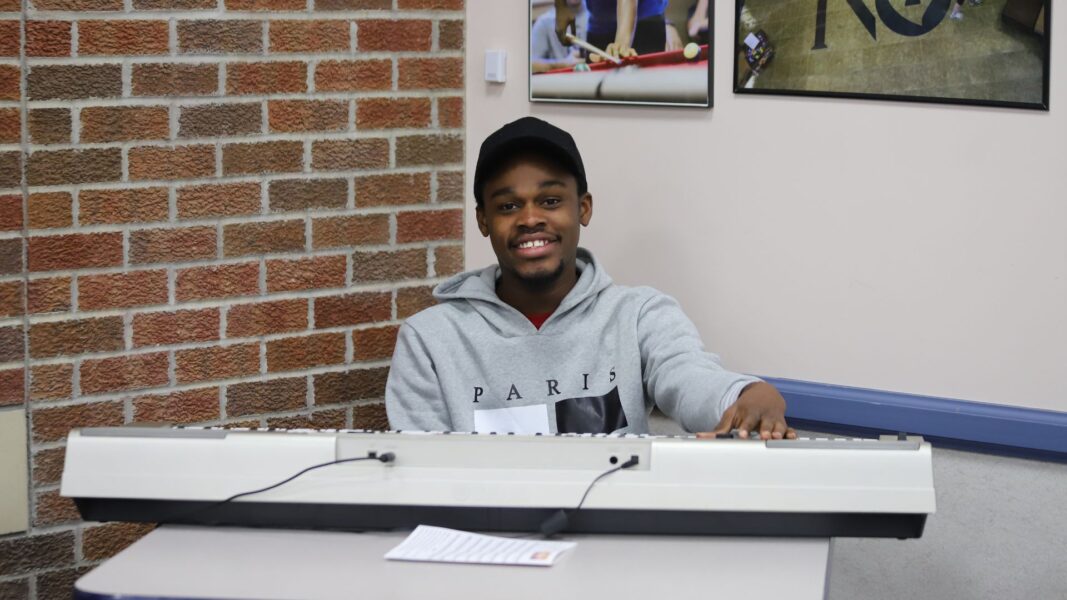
(478, 289)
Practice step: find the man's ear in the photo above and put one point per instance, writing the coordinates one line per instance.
(479, 215)
(585, 209)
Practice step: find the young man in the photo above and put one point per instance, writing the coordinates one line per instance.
(545, 342)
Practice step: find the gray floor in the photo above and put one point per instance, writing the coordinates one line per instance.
(1000, 532)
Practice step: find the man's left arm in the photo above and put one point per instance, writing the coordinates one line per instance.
(690, 386)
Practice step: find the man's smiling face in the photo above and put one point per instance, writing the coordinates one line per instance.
(532, 214)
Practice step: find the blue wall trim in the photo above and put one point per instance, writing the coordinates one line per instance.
(992, 427)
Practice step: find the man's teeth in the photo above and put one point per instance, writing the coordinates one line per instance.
(533, 244)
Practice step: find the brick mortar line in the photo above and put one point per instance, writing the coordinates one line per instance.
(76, 379)
(243, 178)
(172, 286)
(216, 149)
(264, 35)
(172, 204)
(214, 343)
(435, 120)
(312, 69)
(222, 403)
(105, 186)
(75, 295)
(75, 394)
(205, 58)
(174, 112)
(75, 38)
(172, 366)
(222, 262)
(178, 101)
(75, 125)
(132, 394)
(306, 136)
(49, 317)
(125, 246)
(127, 76)
(127, 331)
(435, 189)
(224, 323)
(273, 217)
(127, 410)
(261, 277)
(221, 14)
(172, 36)
(350, 199)
(235, 219)
(38, 530)
(264, 114)
(264, 195)
(292, 256)
(224, 342)
(51, 529)
(52, 445)
(379, 286)
(263, 367)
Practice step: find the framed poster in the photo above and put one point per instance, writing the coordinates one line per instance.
(654, 52)
(980, 52)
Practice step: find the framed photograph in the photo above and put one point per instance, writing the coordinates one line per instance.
(979, 52)
(655, 52)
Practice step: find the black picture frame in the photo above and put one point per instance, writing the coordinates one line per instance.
(636, 82)
(1001, 71)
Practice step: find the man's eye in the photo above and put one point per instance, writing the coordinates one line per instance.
(507, 207)
(551, 201)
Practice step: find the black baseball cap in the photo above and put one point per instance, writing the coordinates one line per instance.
(528, 134)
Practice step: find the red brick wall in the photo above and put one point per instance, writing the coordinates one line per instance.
(215, 213)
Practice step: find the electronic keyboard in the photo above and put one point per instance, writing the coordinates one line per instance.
(489, 482)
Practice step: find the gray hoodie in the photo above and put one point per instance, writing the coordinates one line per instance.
(599, 364)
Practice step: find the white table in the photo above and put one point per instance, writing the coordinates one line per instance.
(270, 564)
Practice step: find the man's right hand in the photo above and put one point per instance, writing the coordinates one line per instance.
(565, 21)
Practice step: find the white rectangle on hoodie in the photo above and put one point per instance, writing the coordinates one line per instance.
(517, 419)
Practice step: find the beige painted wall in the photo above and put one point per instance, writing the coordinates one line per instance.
(13, 500)
(904, 247)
